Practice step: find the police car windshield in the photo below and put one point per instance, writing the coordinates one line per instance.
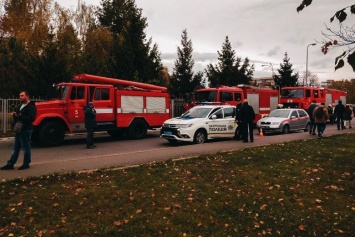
(292, 93)
(206, 96)
(196, 112)
(279, 113)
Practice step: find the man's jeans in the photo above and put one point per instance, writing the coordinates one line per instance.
(23, 140)
(321, 127)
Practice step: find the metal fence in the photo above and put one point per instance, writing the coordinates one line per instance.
(7, 106)
(177, 107)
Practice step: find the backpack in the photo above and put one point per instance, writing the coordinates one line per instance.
(319, 113)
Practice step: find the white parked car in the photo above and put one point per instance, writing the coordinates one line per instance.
(201, 123)
(284, 121)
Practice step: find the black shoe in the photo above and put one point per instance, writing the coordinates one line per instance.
(24, 167)
(90, 147)
(251, 140)
(314, 133)
(245, 140)
(7, 167)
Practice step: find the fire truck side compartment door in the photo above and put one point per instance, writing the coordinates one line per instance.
(328, 99)
(274, 100)
(253, 100)
(132, 104)
(104, 103)
(156, 105)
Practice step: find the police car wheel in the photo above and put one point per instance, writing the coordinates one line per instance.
(200, 137)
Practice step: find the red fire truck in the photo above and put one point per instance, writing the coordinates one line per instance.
(121, 107)
(263, 100)
(302, 96)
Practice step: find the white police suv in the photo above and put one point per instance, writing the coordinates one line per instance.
(201, 123)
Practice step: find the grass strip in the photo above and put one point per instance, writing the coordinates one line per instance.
(300, 188)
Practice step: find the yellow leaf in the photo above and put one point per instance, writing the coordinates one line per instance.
(138, 211)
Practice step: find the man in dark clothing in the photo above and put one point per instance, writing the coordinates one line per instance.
(238, 132)
(339, 113)
(247, 116)
(24, 114)
(312, 128)
(331, 114)
(90, 124)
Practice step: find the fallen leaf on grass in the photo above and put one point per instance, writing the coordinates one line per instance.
(318, 201)
(138, 211)
(301, 227)
(117, 223)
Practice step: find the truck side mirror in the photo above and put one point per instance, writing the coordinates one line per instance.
(214, 117)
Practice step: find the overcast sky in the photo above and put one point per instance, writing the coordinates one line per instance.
(262, 30)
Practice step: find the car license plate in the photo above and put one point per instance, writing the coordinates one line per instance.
(167, 133)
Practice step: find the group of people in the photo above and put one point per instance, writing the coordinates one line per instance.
(320, 114)
(24, 115)
(244, 118)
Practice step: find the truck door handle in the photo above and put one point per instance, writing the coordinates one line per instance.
(109, 105)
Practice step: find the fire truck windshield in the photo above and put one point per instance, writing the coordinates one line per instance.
(62, 91)
(292, 93)
(206, 96)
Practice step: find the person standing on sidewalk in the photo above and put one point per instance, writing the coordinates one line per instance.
(25, 113)
(238, 131)
(320, 115)
(348, 116)
(247, 116)
(312, 128)
(339, 113)
(90, 124)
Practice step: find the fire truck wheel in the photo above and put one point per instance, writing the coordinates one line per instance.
(286, 129)
(200, 136)
(51, 134)
(137, 129)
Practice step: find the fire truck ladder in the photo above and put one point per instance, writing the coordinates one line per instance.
(129, 85)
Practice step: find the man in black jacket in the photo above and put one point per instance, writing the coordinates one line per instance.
(247, 116)
(312, 128)
(238, 131)
(25, 113)
(90, 124)
(339, 113)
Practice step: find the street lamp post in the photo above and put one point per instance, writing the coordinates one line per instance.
(270, 66)
(307, 63)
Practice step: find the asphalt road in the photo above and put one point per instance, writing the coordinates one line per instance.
(72, 155)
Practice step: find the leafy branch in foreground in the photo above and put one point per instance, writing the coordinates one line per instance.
(344, 37)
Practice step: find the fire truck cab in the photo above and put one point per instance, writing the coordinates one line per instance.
(263, 100)
(121, 107)
(302, 96)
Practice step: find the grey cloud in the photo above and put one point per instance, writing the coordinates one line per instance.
(273, 51)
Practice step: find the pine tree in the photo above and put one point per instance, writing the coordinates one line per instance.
(286, 76)
(229, 70)
(183, 80)
(132, 56)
